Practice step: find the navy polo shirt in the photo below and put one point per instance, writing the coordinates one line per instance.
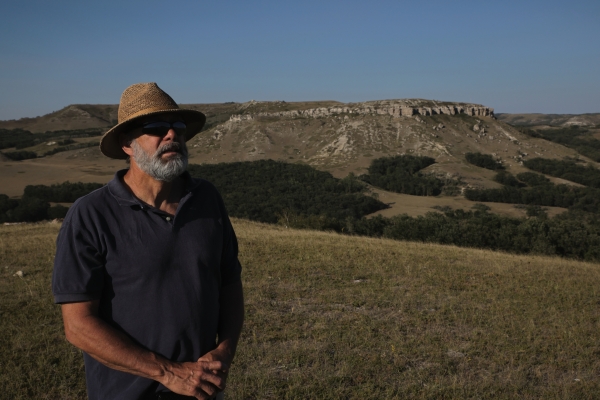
(157, 277)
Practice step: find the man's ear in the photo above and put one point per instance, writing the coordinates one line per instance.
(125, 142)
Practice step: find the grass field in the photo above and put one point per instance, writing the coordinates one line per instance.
(340, 317)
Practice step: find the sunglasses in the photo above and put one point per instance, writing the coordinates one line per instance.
(160, 128)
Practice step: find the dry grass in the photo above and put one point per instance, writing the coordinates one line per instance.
(36, 360)
(332, 316)
(421, 205)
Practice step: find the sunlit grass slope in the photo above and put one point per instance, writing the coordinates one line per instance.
(331, 316)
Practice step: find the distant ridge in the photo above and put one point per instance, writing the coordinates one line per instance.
(550, 119)
(75, 116)
(83, 116)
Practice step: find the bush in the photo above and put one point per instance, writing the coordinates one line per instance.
(29, 209)
(15, 138)
(507, 179)
(484, 161)
(400, 174)
(21, 155)
(536, 211)
(533, 179)
(57, 211)
(6, 204)
(65, 192)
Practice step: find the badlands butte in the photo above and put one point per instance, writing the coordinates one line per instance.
(341, 138)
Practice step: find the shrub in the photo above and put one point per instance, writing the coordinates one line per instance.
(484, 161)
(400, 174)
(533, 179)
(65, 192)
(508, 179)
(6, 204)
(57, 211)
(20, 155)
(29, 209)
(15, 138)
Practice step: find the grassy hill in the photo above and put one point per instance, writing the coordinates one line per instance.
(331, 316)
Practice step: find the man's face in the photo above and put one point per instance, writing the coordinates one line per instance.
(163, 157)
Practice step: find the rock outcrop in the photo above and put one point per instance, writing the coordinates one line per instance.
(395, 109)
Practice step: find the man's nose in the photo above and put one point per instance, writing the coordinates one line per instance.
(171, 135)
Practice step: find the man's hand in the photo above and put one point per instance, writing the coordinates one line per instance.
(218, 355)
(202, 379)
(84, 329)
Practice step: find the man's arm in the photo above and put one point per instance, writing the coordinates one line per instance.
(231, 319)
(85, 330)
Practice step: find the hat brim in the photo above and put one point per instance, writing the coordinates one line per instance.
(110, 144)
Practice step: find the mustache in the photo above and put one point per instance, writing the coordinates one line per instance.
(173, 146)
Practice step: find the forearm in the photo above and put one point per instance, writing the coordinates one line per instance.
(110, 346)
(113, 348)
(231, 318)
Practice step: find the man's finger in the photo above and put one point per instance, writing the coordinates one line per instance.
(214, 365)
(202, 377)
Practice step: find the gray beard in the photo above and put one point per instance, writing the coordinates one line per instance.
(157, 168)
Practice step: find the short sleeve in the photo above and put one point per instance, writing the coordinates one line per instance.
(78, 265)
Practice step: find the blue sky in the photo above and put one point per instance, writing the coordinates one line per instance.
(516, 56)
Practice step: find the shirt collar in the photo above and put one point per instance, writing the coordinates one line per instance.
(124, 197)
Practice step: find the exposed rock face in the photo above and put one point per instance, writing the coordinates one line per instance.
(398, 108)
(347, 137)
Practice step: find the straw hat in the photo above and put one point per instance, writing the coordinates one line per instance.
(138, 102)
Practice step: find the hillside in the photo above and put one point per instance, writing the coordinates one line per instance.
(531, 120)
(331, 316)
(346, 139)
(337, 137)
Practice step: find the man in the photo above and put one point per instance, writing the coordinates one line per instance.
(146, 268)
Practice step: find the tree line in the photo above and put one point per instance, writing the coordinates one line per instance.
(266, 190)
(34, 205)
(401, 174)
(21, 138)
(299, 196)
(572, 234)
(65, 192)
(568, 169)
(27, 155)
(530, 188)
(28, 209)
